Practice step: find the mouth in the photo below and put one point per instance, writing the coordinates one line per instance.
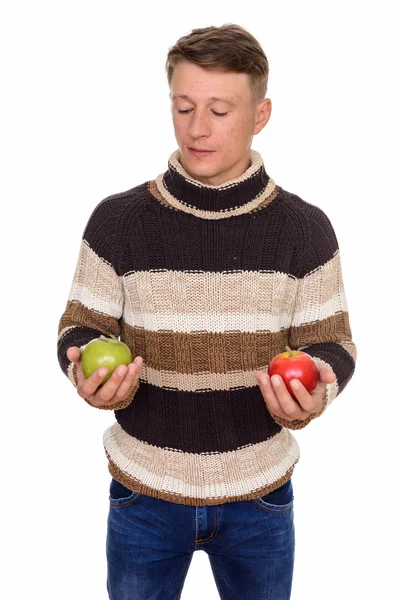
(200, 152)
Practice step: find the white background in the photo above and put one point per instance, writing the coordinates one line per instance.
(85, 114)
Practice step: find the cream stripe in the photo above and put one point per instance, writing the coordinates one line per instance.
(350, 347)
(202, 475)
(70, 368)
(205, 292)
(319, 312)
(104, 304)
(96, 285)
(217, 323)
(199, 381)
(209, 214)
(240, 301)
(70, 373)
(64, 331)
(320, 294)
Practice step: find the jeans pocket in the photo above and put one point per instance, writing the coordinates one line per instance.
(121, 495)
(278, 501)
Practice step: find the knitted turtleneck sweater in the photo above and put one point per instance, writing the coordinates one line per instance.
(207, 284)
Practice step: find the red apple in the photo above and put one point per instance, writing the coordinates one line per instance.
(104, 352)
(294, 364)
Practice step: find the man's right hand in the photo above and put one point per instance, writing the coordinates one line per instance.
(121, 383)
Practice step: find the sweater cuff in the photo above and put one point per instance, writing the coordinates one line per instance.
(116, 406)
(299, 423)
(331, 391)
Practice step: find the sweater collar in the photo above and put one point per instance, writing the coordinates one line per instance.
(249, 192)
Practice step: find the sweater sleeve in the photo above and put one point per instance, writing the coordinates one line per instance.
(96, 299)
(320, 323)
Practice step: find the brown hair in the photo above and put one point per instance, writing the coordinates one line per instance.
(226, 48)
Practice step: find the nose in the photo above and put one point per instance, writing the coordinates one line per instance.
(199, 124)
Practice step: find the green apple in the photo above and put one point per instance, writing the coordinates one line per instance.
(104, 352)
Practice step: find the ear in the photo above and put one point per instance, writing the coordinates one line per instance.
(262, 115)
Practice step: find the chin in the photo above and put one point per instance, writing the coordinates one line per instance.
(201, 170)
(195, 166)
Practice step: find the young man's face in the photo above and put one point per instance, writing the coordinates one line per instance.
(204, 96)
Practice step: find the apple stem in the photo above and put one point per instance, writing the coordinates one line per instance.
(288, 349)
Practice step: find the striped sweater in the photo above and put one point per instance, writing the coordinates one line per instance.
(207, 284)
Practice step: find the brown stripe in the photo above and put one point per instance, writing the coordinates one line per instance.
(266, 201)
(211, 352)
(76, 314)
(154, 191)
(169, 356)
(203, 352)
(332, 329)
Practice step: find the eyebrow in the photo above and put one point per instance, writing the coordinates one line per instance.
(185, 97)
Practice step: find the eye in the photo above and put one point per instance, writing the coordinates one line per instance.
(185, 112)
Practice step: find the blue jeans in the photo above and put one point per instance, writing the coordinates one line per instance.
(150, 543)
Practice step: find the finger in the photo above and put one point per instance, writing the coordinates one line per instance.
(79, 373)
(309, 403)
(271, 400)
(326, 375)
(106, 393)
(87, 387)
(289, 406)
(129, 382)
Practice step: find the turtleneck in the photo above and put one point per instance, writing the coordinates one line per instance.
(251, 191)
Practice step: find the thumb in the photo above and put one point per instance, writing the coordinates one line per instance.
(74, 354)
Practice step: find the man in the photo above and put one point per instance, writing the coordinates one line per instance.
(207, 272)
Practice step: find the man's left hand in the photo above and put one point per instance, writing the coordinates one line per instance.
(280, 402)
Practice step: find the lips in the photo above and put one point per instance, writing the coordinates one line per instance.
(200, 152)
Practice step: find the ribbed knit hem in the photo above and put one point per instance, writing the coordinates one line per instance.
(199, 479)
